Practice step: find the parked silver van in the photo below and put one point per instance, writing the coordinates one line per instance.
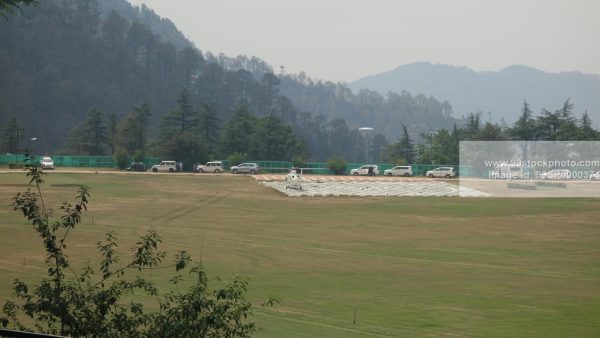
(399, 170)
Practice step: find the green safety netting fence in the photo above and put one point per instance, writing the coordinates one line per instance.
(266, 166)
(75, 161)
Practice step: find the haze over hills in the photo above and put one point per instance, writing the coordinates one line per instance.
(501, 93)
(64, 58)
(61, 59)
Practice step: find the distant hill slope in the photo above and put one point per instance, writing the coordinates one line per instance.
(162, 27)
(500, 93)
(62, 58)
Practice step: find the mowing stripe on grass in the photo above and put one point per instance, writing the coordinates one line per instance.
(347, 253)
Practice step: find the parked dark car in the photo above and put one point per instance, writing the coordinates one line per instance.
(137, 166)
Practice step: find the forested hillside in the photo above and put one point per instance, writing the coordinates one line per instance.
(386, 113)
(62, 60)
(58, 60)
(162, 27)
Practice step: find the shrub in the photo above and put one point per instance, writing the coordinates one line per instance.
(298, 161)
(121, 157)
(337, 165)
(236, 158)
(138, 156)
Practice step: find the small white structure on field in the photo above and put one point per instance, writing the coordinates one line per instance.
(294, 179)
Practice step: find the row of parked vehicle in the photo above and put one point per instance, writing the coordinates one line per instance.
(210, 167)
(253, 168)
(217, 167)
(402, 170)
(365, 170)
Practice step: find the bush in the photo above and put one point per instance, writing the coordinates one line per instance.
(236, 158)
(121, 157)
(337, 165)
(298, 161)
(138, 156)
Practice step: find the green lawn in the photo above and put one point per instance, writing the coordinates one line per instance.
(407, 266)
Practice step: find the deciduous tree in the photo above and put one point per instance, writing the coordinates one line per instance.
(8, 6)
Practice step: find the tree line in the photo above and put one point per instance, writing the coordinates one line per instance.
(196, 134)
(442, 146)
(186, 133)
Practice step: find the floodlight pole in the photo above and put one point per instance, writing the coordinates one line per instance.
(367, 134)
(33, 139)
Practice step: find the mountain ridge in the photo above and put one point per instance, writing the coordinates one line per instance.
(161, 26)
(499, 92)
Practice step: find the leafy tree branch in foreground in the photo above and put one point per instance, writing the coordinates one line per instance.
(8, 6)
(98, 302)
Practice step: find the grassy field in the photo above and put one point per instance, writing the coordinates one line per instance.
(407, 266)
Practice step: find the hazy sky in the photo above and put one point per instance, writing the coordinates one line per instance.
(343, 40)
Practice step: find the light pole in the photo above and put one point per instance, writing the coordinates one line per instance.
(367, 133)
(18, 135)
(33, 139)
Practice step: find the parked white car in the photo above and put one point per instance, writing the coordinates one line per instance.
(368, 170)
(399, 170)
(210, 167)
(446, 172)
(47, 162)
(168, 166)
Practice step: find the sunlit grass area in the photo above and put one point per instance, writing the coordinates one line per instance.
(396, 266)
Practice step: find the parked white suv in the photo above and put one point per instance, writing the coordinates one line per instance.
(169, 166)
(47, 162)
(446, 172)
(369, 170)
(210, 167)
(399, 170)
